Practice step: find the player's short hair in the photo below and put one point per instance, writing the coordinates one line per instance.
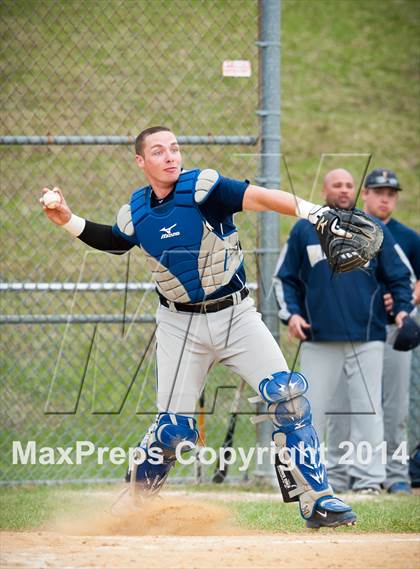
(144, 134)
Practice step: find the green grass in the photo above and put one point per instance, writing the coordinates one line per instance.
(383, 514)
(228, 487)
(31, 507)
(350, 85)
(27, 508)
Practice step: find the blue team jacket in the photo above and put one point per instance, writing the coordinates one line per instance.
(409, 241)
(346, 306)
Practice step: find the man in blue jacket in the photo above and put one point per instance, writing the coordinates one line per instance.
(380, 196)
(341, 320)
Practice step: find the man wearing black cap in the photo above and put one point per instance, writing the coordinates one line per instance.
(380, 197)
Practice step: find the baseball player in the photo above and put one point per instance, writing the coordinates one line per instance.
(341, 321)
(380, 198)
(183, 222)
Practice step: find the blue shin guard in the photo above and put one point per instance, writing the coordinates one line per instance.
(156, 453)
(300, 472)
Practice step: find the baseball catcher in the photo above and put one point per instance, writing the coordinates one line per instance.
(183, 223)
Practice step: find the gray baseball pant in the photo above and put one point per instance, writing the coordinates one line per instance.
(345, 384)
(395, 402)
(189, 344)
(395, 408)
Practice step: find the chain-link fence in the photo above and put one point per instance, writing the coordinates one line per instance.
(105, 69)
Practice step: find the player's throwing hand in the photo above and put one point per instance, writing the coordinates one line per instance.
(56, 210)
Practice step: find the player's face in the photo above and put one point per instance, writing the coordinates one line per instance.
(380, 202)
(339, 190)
(161, 160)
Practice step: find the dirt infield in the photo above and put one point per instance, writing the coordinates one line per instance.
(184, 533)
(50, 550)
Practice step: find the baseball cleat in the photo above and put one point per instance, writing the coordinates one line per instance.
(400, 488)
(331, 512)
(367, 491)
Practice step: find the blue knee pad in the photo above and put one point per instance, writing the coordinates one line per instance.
(164, 435)
(171, 430)
(283, 386)
(287, 408)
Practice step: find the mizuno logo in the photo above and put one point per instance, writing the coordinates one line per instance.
(167, 232)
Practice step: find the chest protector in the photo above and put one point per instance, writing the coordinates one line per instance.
(187, 258)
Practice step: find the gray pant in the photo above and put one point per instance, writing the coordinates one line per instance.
(345, 384)
(395, 408)
(189, 344)
(395, 401)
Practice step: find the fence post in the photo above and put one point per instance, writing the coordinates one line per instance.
(269, 113)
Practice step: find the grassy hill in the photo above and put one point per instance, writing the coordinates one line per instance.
(350, 72)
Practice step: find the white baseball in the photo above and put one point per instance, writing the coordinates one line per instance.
(51, 199)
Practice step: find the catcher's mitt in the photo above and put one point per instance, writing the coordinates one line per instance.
(349, 238)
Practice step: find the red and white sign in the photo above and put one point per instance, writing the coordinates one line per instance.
(236, 68)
